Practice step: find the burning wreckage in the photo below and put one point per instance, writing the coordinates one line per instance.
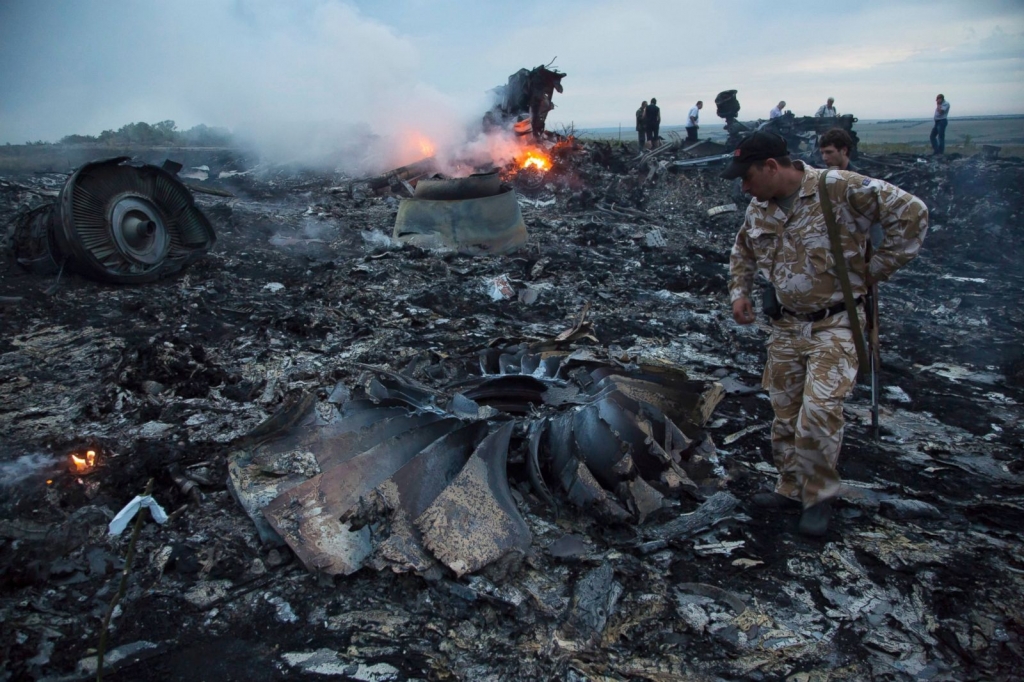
(525, 101)
(388, 374)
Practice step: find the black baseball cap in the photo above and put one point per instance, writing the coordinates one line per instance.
(757, 147)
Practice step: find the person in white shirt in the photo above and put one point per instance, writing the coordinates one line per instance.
(827, 110)
(777, 111)
(692, 120)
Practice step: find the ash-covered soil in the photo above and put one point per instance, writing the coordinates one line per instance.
(919, 578)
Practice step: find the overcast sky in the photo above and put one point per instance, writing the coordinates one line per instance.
(399, 65)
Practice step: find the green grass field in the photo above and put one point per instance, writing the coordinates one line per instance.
(963, 136)
(998, 131)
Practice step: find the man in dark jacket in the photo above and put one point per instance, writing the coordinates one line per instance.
(653, 117)
(835, 146)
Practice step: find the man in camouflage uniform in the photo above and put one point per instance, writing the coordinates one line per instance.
(812, 360)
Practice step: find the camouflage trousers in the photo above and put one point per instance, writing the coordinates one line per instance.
(810, 370)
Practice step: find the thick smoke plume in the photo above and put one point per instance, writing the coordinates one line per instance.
(314, 83)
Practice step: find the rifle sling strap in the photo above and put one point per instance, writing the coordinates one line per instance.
(844, 276)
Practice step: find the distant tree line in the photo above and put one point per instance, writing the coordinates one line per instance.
(162, 134)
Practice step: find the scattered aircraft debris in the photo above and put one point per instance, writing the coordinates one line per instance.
(289, 344)
(408, 481)
(398, 178)
(115, 222)
(525, 100)
(801, 132)
(474, 216)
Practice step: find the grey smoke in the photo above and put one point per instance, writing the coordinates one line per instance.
(313, 82)
(25, 467)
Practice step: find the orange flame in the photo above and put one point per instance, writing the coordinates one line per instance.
(535, 159)
(83, 464)
(426, 146)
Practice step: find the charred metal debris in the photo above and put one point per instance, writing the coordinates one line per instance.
(800, 132)
(413, 480)
(309, 332)
(476, 215)
(115, 222)
(524, 102)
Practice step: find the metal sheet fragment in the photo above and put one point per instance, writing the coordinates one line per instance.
(535, 435)
(474, 521)
(644, 499)
(684, 401)
(333, 448)
(482, 226)
(509, 393)
(617, 410)
(593, 602)
(309, 515)
(719, 507)
(409, 492)
(596, 444)
(585, 492)
(474, 186)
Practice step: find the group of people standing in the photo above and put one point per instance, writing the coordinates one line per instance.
(648, 121)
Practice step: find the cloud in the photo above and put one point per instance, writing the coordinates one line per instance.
(301, 77)
(855, 59)
(617, 53)
(997, 46)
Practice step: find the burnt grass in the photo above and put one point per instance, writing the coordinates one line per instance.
(209, 354)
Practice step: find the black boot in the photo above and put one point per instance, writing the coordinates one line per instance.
(814, 520)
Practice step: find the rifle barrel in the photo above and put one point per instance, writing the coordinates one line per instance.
(876, 356)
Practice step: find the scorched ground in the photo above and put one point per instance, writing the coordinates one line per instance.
(920, 578)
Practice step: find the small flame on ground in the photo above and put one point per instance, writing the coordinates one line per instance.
(85, 463)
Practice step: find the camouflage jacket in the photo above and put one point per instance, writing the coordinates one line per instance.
(798, 244)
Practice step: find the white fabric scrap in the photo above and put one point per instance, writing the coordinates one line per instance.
(499, 288)
(120, 522)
